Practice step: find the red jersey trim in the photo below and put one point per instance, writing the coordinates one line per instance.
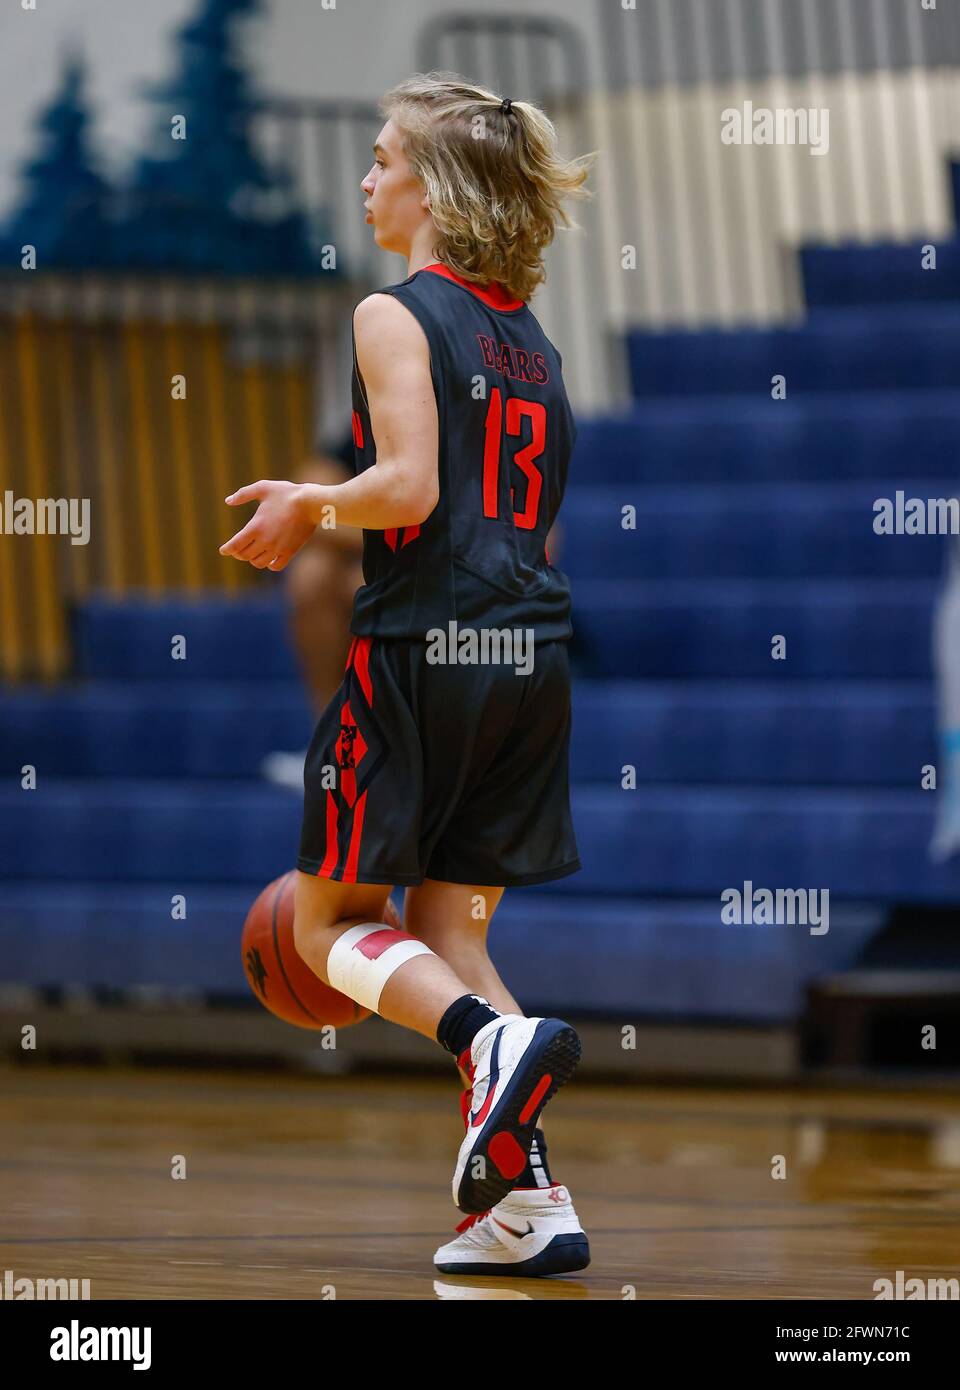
(493, 294)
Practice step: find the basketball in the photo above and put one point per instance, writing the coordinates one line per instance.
(280, 979)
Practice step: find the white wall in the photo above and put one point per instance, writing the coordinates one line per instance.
(357, 49)
(715, 225)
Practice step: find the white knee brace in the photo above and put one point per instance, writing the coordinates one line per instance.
(362, 960)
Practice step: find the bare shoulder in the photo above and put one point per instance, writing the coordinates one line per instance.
(384, 325)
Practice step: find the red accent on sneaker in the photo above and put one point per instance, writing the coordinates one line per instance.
(469, 1221)
(466, 1100)
(507, 1154)
(464, 1062)
(534, 1100)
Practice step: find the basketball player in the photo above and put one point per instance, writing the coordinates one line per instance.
(448, 739)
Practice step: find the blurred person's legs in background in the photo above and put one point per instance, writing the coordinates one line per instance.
(320, 584)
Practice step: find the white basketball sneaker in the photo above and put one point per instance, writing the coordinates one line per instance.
(534, 1231)
(518, 1064)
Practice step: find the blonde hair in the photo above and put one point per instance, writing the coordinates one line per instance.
(495, 180)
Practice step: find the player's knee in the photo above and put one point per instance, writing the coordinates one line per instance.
(313, 933)
(313, 939)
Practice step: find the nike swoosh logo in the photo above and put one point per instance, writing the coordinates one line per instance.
(519, 1234)
(481, 1114)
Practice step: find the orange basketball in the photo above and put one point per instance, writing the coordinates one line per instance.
(282, 982)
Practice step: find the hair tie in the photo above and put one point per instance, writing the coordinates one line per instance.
(506, 106)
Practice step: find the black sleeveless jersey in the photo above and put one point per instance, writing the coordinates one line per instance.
(506, 432)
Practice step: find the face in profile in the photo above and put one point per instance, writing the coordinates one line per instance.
(395, 202)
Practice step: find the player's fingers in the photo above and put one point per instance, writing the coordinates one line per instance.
(242, 550)
(251, 493)
(260, 559)
(254, 546)
(279, 562)
(240, 542)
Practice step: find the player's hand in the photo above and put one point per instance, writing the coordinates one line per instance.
(277, 529)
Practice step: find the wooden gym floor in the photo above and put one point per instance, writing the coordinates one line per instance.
(298, 1186)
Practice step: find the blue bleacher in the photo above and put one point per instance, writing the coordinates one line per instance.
(854, 274)
(753, 519)
(806, 438)
(752, 531)
(877, 348)
(674, 959)
(829, 733)
(652, 841)
(840, 628)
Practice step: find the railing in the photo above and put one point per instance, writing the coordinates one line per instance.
(86, 362)
(716, 226)
(545, 60)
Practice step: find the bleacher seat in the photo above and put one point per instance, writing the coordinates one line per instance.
(825, 733)
(880, 348)
(854, 274)
(754, 519)
(828, 437)
(833, 629)
(674, 959)
(765, 531)
(655, 841)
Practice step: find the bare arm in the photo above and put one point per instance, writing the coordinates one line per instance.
(401, 489)
(329, 472)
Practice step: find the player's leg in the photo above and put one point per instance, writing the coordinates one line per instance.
(413, 985)
(518, 1063)
(534, 1230)
(366, 769)
(452, 918)
(510, 823)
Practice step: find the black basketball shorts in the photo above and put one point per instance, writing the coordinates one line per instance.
(442, 771)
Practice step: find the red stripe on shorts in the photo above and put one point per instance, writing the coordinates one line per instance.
(361, 665)
(330, 858)
(353, 854)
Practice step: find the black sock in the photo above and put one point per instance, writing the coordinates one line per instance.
(462, 1022)
(537, 1171)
